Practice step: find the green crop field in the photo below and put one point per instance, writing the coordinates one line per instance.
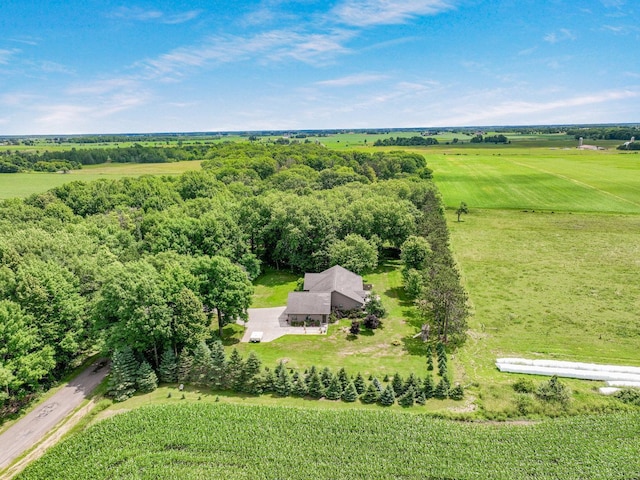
(554, 180)
(24, 184)
(195, 440)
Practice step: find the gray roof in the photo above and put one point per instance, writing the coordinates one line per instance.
(336, 279)
(309, 303)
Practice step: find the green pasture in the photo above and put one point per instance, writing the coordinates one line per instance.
(542, 179)
(192, 440)
(24, 184)
(549, 255)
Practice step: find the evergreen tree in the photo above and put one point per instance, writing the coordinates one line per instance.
(251, 375)
(442, 367)
(283, 384)
(428, 387)
(168, 369)
(201, 367)
(412, 382)
(407, 399)
(397, 385)
(122, 380)
(360, 384)
(235, 368)
(343, 378)
(299, 387)
(350, 394)
(269, 381)
(387, 398)
(456, 393)
(147, 380)
(385, 379)
(218, 373)
(442, 389)
(334, 392)
(185, 362)
(429, 363)
(376, 383)
(316, 387)
(370, 395)
(309, 374)
(420, 400)
(326, 376)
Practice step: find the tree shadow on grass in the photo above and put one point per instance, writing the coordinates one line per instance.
(414, 346)
(398, 294)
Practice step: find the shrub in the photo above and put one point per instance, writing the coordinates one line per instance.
(374, 306)
(371, 322)
(553, 391)
(629, 395)
(524, 385)
(355, 327)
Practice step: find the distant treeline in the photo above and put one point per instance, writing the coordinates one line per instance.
(405, 141)
(605, 133)
(489, 139)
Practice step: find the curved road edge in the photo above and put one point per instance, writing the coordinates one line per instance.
(33, 427)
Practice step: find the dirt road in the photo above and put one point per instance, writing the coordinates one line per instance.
(32, 428)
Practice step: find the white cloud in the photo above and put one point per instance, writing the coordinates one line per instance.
(506, 112)
(142, 15)
(101, 87)
(363, 13)
(559, 36)
(275, 45)
(350, 80)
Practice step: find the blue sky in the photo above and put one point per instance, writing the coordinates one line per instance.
(157, 66)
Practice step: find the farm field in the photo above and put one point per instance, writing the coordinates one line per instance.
(549, 255)
(24, 184)
(229, 441)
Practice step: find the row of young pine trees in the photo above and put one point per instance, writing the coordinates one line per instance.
(210, 367)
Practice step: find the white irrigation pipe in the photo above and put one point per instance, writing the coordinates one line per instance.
(623, 383)
(568, 372)
(570, 365)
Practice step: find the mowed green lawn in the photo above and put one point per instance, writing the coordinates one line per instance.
(561, 285)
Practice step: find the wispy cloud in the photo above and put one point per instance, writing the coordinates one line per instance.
(363, 13)
(350, 80)
(559, 36)
(142, 15)
(5, 55)
(275, 45)
(504, 111)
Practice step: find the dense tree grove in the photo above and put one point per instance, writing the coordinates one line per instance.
(141, 268)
